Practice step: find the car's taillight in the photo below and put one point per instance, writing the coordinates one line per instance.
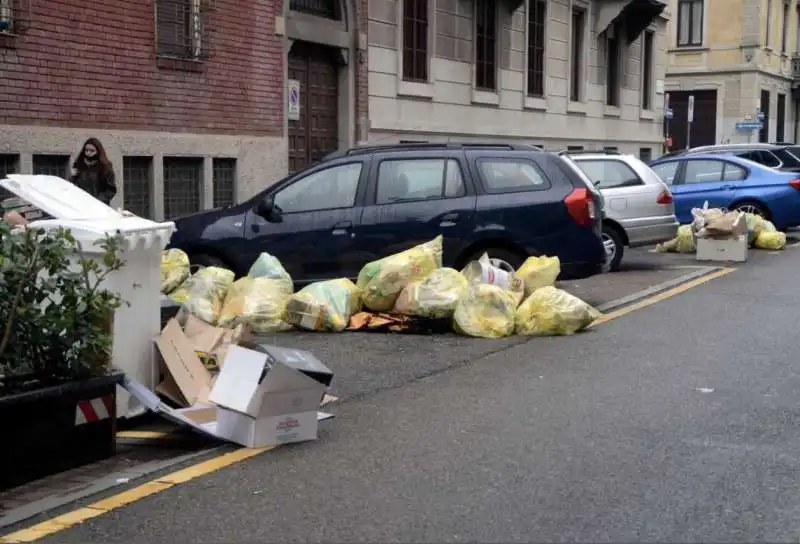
(665, 197)
(795, 183)
(581, 206)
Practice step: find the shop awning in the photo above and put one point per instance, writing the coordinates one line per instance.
(632, 15)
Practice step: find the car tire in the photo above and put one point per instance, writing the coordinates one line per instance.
(614, 244)
(754, 208)
(203, 261)
(513, 258)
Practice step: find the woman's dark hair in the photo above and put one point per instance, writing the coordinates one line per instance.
(102, 158)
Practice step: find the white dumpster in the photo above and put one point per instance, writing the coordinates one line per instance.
(137, 323)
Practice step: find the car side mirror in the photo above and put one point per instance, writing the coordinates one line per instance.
(267, 209)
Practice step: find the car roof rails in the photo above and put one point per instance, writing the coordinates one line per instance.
(589, 152)
(424, 146)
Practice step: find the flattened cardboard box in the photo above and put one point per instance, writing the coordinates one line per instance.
(186, 381)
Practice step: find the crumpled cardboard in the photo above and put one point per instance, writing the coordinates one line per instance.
(728, 225)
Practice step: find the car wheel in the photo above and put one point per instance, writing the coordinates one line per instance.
(203, 261)
(511, 258)
(753, 207)
(614, 245)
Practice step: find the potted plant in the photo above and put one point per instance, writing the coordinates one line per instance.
(57, 387)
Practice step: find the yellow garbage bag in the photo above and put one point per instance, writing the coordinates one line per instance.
(485, 311)
(435, 296)
(538, 272)
(773, 240)
(207, 290)
(259, 303)
(268, 266)
(755, 225)
(550, 311)
(174, 269)
(324, 305)
(381, 281)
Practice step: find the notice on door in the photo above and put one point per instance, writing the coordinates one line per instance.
(293, 98)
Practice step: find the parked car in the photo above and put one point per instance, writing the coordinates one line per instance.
(368, 202)
(639, 206)
(728, 181)
(782, 156)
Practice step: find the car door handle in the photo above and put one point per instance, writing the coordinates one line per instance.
(449, 220)
(341, 228)
(729, 186)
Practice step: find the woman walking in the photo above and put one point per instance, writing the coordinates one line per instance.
(93, 172)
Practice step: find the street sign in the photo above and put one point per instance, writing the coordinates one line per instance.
(690, 109)
(668, 113)
(293, 99)
(744, 126)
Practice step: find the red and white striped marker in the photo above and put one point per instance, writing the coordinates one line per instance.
(89, 411)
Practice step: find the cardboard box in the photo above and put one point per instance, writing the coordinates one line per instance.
(264, 400)
(728, 249)
(299, 359)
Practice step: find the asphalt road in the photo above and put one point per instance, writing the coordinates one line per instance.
(676, 423)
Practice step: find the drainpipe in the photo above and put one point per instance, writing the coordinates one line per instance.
(796, 119)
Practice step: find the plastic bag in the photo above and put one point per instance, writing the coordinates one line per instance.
(325, 305)
(381, 281)
(485, 311)
(755, 225)
(683, 243)
(435, 296)
(174, 269)
(550, 311)
(207, 290)
(500, 273)
(258, 303)
(267, 266)
(538, 272)
(771, 240)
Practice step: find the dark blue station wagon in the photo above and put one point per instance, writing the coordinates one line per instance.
(365, 203)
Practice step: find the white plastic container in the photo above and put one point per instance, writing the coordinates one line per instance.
(137, 323)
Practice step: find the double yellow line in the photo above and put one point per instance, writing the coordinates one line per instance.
(65, 521)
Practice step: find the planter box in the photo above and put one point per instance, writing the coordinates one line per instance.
(56, 428)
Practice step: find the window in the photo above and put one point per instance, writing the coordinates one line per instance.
(690, 23)
(647, 70)
(137, 175)
(613, 64)
(224, 182)
(51, 165)
(666, 171)
(576, 61)
(645, 154)
(178, 29)
(485, 45)
(703, 171)
(537, 20)
(761, 157)
(328, 189)
(183, 181)
(511, 176)
(574, 148)
(733, 172)
(780, 118)
(421, 179)
(763, 134)
(321, 8)
(9, 164)
(415, 40)
(609, 174)
(767, 40)
(785, 26)
(6, 16)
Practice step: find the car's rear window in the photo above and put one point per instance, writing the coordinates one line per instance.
(609, 173)
(794, 151)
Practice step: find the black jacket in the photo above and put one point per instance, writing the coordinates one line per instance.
(100, 185)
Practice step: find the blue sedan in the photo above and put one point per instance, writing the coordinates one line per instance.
(730, 182)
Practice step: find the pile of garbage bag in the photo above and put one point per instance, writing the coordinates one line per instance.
(717, 223)
(487, 299)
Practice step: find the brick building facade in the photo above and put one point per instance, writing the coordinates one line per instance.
(188, 96)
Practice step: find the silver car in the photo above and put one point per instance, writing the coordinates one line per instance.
(638, 206)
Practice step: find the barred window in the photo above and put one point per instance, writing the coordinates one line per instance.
(6, 16)
(328, 9)
(224, 182)
(485, 45)
(137, 174)
(179, 29)
(415, 40)
(51, 165)
(183, 181)
(9, 164)
(537, 19)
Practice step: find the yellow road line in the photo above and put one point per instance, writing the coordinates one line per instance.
(144, 435)
(663, 295)
(65, 521)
